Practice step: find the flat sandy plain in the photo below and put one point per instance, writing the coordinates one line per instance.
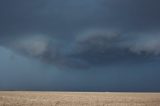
(78, 99)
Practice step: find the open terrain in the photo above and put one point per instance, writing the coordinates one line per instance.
(78, 99)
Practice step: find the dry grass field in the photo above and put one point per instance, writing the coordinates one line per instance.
(78, 99)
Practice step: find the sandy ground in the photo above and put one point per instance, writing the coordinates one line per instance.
(78, 99)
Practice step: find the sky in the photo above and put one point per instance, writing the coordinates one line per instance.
(80, 45)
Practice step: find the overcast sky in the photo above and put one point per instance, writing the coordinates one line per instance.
(80, 45)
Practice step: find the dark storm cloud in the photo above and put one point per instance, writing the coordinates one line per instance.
(103, 47)
(82, 33)
(90, 48)
(134, 15)
(67, 17)
(113, 43)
